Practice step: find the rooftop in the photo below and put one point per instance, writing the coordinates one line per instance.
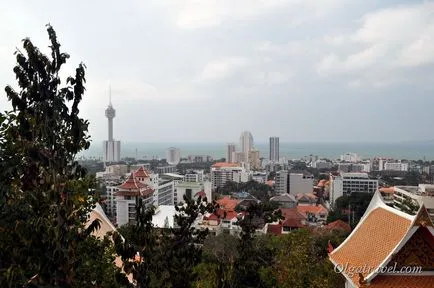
(225, 164)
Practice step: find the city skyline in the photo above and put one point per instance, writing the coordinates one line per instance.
(336, 70)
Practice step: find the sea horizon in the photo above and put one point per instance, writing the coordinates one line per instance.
(411, 150)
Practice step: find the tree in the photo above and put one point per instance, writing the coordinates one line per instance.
(44, 194)
(250, 260)
(166, 257)
(301, 261)
(408, 206)
(218, 266)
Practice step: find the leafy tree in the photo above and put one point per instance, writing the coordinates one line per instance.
(167, 257)
(219, 258)
(408, 206)
(250, 260)
(301, 262)
(44, 194)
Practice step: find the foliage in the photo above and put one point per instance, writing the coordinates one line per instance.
(357, 202)
(299, 264)
(408, 206)
(260, 191)
(167, 256)
(44, 194)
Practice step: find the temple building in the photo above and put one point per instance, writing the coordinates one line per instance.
(127, 195)
(388, 248)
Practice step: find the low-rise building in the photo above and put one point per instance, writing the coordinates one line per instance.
(315, 214)
(284, 200)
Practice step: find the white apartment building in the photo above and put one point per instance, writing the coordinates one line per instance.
(118, 170)
(345, 183)
(110, 202)
(164, 194)
(300, 183)
(246, 142)
(395, 166)
(354, 167)
(222, 172)
(173, 156)
(293, 183)
(350, 157)
(422, 194)
(321, 164)
(274, 149)
(281, 182)
(230, 152)
(197, 176)
(260, 177)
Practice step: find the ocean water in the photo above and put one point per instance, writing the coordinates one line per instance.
(403, 150)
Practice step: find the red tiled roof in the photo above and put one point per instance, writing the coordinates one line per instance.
(310, 196)
(338, 225)
(132, 183)
(141, 172)
(292, 218)
(275, 229)
(293, 223)
(375, 238)
(291, 213)
(227, 203)
(398, 281)
(311, 209)
(211, 217)
(225, 164)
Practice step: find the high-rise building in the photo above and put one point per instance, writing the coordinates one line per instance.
(274, 149)
(112, 148)
(246, 144)
(230, 153)
(173, 156)
(254, 160)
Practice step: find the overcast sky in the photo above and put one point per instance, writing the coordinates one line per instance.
(186, 71)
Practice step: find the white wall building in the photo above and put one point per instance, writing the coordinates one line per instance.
(395, 166)
(112, 151)
(422, 194)
(173, 156)
(223, 172)
(281, 182)
(274, 149)
(230, 152)
(350, 157)
(300, 183)
(321, 164)
(345, 183)
(246, 143)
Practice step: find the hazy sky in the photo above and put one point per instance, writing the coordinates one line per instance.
(184, 70)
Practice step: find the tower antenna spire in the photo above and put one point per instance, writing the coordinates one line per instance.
(110, 94)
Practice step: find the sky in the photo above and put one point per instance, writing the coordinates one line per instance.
(206, 70)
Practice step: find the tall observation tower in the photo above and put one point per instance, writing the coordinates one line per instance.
(110, 113)
(112, 148)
